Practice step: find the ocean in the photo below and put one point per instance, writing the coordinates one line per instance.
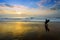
(29, 30)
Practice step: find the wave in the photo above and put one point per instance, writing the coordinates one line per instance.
(30, 19)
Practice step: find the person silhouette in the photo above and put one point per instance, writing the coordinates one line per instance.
(46, 25)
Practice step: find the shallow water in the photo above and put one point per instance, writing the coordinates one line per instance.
(29, 31)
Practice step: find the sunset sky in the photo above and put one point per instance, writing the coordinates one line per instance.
(28, 8)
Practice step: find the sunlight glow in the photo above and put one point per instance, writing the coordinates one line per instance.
(19, 12)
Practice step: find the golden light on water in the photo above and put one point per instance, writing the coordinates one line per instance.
(16, 27)
(28, 30)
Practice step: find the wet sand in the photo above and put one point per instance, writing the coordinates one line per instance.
(29, 31)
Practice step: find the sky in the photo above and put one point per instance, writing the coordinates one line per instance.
(28, 8)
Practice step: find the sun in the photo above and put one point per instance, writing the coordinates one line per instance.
(19, 12)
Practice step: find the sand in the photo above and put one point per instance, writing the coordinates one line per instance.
(29, 31)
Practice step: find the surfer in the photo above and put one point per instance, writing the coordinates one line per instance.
(46, 25)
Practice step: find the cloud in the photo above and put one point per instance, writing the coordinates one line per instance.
(5, 4)
(49, 4)
(56, 6)
(44, 3)
(24, 11)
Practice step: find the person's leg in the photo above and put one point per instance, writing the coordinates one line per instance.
(46, 27)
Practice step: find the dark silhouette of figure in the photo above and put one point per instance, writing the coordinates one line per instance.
(46, 25)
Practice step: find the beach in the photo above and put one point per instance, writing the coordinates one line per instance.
(29, 31)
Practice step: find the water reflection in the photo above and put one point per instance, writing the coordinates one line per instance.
(18, 27)
(28, 31)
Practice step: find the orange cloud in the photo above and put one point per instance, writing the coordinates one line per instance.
(25, 11)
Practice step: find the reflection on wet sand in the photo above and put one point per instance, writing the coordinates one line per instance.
(28, 31)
